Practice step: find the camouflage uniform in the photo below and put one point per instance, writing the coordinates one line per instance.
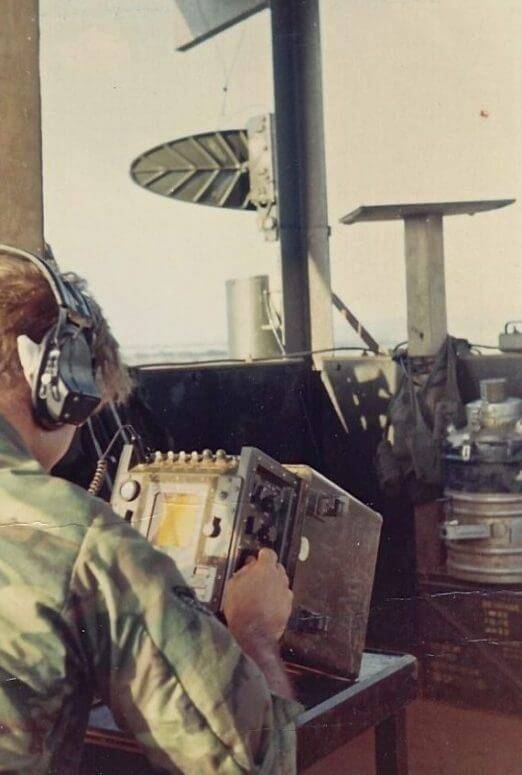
(88, 606)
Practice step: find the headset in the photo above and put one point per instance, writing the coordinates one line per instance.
(63, 382)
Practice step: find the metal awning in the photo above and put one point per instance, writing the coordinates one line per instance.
(400, 211)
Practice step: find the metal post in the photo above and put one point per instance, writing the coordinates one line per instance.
(301, 170)
(425, 285)
(21, 200)
(424, 252)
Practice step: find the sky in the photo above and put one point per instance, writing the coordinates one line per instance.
(422, 103)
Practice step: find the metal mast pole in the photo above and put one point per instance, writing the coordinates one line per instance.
(301, 169)
(21, 199)
(425, 284)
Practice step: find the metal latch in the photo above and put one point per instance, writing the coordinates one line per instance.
(453, 531)
(321, 505)
(304, 620)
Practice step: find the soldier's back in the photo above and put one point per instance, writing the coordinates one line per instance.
(44, 696)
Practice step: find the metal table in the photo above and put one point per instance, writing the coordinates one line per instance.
(336, 712)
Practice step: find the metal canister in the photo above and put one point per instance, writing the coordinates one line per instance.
(252, 325)
(483, 490)
(483, 534)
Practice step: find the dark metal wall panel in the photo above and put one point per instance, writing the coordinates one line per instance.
(228, 407)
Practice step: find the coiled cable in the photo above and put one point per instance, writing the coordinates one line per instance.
(98, 477)
(103, 464)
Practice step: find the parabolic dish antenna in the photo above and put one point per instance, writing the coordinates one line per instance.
(208, 169)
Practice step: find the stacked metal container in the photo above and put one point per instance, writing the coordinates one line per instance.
(483, 490)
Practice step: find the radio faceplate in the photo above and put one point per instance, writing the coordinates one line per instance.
(209, 512)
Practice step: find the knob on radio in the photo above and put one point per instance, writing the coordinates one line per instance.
(129, 490)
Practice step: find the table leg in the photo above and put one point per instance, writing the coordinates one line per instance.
(391, 754)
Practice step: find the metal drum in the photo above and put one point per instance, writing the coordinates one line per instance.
(483, 490)
(483, 534)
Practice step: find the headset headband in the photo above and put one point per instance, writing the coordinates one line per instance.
(68, 298)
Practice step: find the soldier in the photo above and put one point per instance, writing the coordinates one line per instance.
(88, 607)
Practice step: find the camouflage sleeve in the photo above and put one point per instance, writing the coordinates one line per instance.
(172, 674)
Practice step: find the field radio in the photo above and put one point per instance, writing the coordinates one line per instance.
(209, 512)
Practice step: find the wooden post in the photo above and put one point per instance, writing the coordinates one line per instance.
(425, 285)
(21, 198)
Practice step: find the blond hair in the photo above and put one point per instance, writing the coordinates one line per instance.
(28, 306)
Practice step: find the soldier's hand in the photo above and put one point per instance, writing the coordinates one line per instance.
(257, 599)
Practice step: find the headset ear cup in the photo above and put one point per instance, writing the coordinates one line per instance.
(67, 390)
(61, 373)
(39, 390)
(33, 358)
